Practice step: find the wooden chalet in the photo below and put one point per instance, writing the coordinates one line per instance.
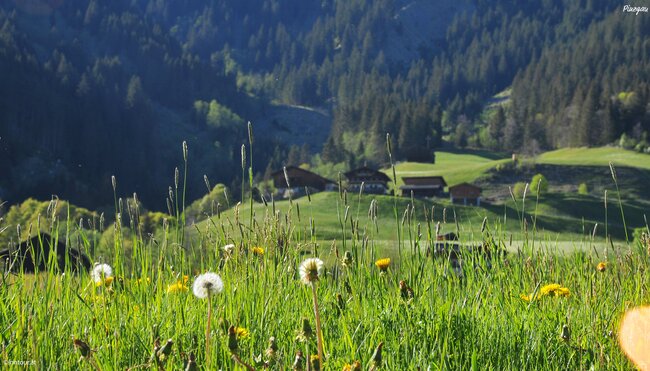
(374, 182)
(423, 186)
(466, 194)
(299, 179)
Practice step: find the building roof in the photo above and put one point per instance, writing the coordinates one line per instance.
(426, 181)
(366, 172)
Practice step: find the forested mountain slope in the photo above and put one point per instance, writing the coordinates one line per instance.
(92, 88)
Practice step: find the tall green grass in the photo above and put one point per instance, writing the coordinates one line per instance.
(476, 320)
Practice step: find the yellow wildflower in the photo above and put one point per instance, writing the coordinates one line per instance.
(601, 267)
(526, 298)
(383, 264)
(259, 251)
(107, 281)
(176, 288)
(554, 289)
(241, 332)
(355, 366)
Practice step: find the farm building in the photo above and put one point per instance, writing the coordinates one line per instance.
(465, 193)
(424, 186)
(299, 179)
(374, 181)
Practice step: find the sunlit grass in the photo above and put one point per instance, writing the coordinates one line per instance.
(547, 304)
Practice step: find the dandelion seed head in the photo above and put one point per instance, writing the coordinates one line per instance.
(100, 272)
(310, 270)
(228, 249)
(207, 284)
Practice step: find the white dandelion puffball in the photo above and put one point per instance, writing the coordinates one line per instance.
(310, 270)
(207, 284)
(101, 272)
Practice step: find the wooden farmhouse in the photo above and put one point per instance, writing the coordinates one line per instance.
(299, 180)
(374, 182)
(466, 194)
(424, 186)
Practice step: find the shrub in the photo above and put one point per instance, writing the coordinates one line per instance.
(539, 184)
(518, 189)
(583, 189)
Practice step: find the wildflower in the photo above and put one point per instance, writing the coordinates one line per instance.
(355, 366)
(241, 332)
(527, 298)
(107, 282)
(228, 249)
(100, 272)
(315, 362)
(176, 288)
(554, 289)
(383, 264)
(310, 270)
(206, 285)
(143, 281)
(601, 267)
(259, 251)
(347, 259)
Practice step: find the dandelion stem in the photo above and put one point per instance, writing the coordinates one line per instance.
(319, 334)
(207, 332)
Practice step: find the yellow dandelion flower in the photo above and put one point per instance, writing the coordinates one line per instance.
(355, 366)
(526, 298)
(549, 289)
(383, 264)
(241, 332)
(107, 281)
(185, 278)
(563, 291)
(601, 267)
(176, 288)
(554, 289)
(259, 251)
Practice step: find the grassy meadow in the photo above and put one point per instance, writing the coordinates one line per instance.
(500, 314)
